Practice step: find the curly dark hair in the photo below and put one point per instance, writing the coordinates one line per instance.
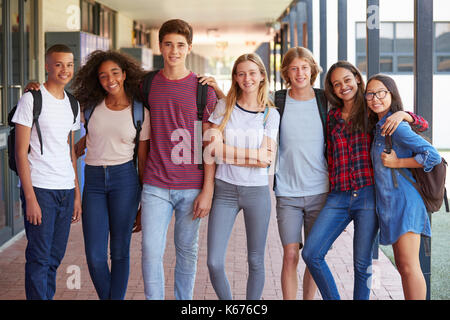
(86, 86)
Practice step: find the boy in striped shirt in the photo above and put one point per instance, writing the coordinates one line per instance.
(172, 179)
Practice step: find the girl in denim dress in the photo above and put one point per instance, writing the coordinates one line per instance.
(401, 211)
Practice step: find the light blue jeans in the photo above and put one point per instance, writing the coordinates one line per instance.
(229, 199)
(158, 205)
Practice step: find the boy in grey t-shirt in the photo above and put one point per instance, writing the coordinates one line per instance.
(301, 182)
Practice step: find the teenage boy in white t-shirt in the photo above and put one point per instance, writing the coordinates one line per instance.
(50, 194)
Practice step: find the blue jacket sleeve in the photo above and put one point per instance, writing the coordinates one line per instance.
(424, 152)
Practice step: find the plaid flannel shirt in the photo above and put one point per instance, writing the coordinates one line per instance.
(349, 164)
(419, 123)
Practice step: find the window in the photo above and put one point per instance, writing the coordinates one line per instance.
(442, 46)
(88, 11)
(397, 47)
(98, 19)
(141, 35)
(107, 24)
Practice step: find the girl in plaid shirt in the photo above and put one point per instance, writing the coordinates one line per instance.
(352, 192)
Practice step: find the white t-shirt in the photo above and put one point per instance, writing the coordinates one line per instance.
(245, 129)
(111, 134)
(53, 169)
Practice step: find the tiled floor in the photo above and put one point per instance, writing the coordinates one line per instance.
(386, 280)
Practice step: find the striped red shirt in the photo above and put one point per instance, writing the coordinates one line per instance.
(173, 113)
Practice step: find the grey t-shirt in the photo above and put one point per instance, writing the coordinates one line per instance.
(245, 129)
(302, 167)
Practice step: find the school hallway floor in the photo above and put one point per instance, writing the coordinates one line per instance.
(386, 283)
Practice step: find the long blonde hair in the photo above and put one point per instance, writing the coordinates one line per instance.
(235, 91)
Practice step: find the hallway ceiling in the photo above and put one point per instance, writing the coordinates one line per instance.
(221, 28)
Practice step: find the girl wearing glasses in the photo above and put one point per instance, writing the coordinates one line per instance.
(401, 212)
(352, 191)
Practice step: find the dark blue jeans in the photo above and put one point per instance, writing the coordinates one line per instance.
(46, 242)
(110, 200)
(339, 210)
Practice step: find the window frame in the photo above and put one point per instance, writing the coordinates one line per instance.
(438, 54)
(399, 54)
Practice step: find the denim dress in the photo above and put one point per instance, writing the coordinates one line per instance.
(401, 210)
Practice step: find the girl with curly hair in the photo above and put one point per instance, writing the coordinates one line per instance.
(108, 82)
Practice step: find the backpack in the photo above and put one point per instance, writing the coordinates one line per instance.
(430, 185)
(37, 108)
(137, 112)
(202, 95)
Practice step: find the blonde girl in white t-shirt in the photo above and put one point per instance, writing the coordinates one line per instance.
(246, 126)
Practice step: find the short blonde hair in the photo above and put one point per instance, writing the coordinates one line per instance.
(302, 53)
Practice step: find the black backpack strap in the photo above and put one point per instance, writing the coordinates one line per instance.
(280, 101)
(322, 104)
(87, 112)
(388, 148)
(446, 201)
(73, 105)
(202, 98)
(37, 108)
(146, 86)
(138, 119)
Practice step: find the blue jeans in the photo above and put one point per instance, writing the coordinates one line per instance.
(47, 242)
(110, 201)
(229, 199)
(339, 210)
(158, 205)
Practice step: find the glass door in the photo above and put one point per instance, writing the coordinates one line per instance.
(5, 221)
(17, 67)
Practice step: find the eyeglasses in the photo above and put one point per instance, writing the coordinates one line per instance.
(379, 94)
